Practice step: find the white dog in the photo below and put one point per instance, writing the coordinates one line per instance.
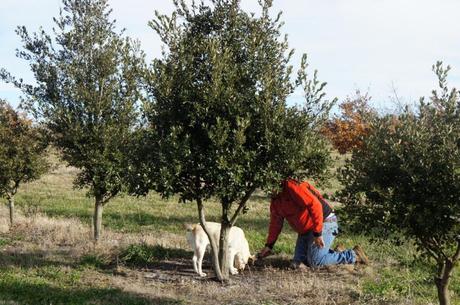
(238, 246)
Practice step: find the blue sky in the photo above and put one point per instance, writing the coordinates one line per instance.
(371, 45)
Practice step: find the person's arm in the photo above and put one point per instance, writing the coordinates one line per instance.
(275, 227)
(274, 230)
(302, 197)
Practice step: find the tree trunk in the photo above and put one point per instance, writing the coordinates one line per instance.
(212, 241)
(11, 207)
(224, 259)
(442, 281)
(97, 219)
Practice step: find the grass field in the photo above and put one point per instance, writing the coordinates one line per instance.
(48, 257)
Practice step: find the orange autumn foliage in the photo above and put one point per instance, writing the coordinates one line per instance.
(346, 130)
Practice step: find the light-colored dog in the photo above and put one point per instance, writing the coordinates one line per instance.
(238, 246)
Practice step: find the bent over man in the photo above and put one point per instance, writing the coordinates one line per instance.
(311, 216)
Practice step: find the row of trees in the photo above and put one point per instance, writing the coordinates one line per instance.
(215, 123)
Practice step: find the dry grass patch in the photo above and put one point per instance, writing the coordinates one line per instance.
(70, 235)
(270, 286)
(143, 257)
(39, 242)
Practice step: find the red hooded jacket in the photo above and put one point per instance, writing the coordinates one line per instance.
(298, 203)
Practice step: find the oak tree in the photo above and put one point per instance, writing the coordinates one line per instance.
(85, 92)
(347, 129)
(219, 125)
(406, 180)
(22, 153)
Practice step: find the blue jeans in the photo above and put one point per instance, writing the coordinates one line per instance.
(311, 255)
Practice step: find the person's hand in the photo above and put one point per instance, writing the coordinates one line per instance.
(318, 241)
(264, 252)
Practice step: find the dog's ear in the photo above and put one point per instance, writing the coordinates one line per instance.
(252, 259)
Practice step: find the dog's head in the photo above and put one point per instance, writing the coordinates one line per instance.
(241, 262)
(252, 260)
(189, 227)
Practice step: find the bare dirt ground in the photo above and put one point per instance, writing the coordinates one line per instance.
(41, 241)
(267, 284)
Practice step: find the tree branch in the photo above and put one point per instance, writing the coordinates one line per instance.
(241, 205)
(15, 188)
(10, 191)
(438, 247)
(107, 197)
(432, 253)
(456, 256)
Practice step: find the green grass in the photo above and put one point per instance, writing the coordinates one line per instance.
(94, 260)
(51, 285)
(395, 276)
(4, 242)
(142, 255)
(392, 283)
(54, 196)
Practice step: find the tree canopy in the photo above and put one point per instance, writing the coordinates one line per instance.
(347, 129)
(218, 104)
(85, 92)
(406, 178)
(22, 152)
(219, 125)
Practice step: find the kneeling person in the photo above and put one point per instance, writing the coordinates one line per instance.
(310, 215)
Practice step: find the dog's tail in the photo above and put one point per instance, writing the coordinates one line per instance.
(189, 227)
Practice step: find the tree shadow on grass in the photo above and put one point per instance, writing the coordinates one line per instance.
(135, 255)
(165, 264)
(178, 262)
(273, 261)
(32, 259)
(143, 255)
(38, 292)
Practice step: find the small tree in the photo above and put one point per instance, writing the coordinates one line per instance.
(218, 121)
(347, 130)
(406, 179)
(86, 91)
(22, 153)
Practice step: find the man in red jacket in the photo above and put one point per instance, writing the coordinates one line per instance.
(310, 215)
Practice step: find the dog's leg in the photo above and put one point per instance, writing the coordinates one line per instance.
(231, 263)
(194, 260)
(200, 254)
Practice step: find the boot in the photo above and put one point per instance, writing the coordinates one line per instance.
(298, 266)
(361, 257)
